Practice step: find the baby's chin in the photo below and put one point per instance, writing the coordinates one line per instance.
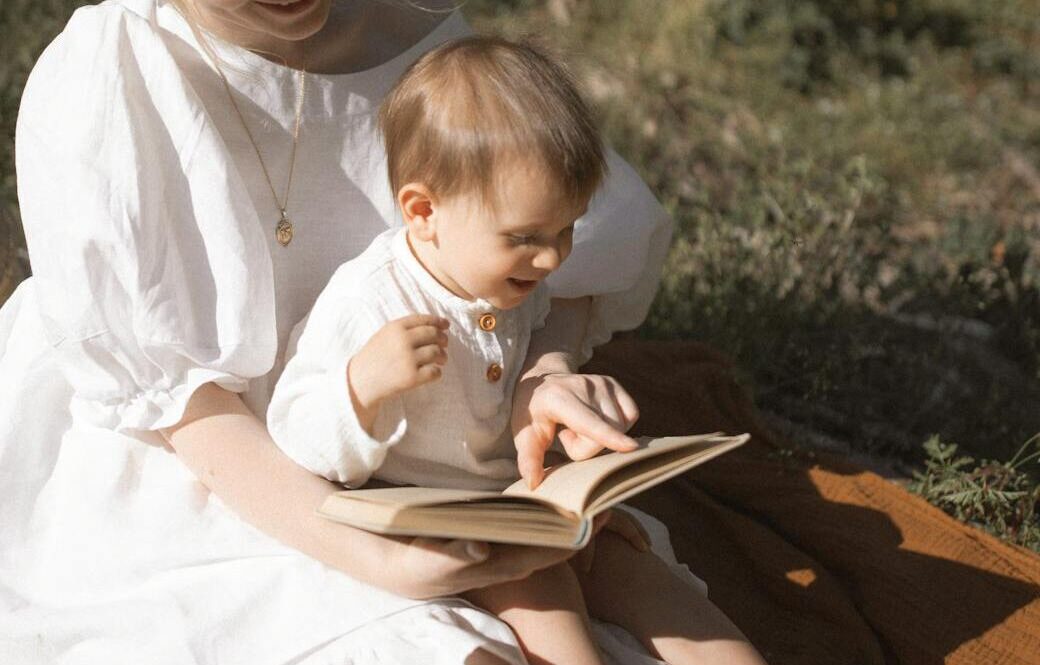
(515, 293)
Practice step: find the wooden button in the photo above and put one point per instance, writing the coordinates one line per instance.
(487, 322)
(494, 372)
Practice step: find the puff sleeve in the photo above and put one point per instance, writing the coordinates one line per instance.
(151, 274)
(620, 245)
(311, 416)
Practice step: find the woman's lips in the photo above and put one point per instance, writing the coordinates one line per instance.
(292, 7)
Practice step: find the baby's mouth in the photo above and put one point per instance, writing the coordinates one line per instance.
(523, 284)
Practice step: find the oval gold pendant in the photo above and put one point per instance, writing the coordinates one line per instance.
(284, 231)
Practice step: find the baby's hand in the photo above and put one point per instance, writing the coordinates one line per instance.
(592, 412)
(404, 354)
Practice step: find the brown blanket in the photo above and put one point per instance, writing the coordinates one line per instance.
(817, 560)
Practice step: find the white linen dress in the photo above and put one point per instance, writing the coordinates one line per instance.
(151, 237)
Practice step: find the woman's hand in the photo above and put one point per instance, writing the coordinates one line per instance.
(431, 568)
(591, 411)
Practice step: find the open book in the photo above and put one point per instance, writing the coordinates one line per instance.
(557, 513)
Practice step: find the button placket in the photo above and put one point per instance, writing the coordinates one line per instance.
(488, 323)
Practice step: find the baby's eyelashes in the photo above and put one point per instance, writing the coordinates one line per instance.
(521, 239)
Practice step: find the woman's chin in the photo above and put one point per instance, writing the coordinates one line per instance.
(293, 21)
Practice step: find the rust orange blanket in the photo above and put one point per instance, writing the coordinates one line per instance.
(817, 560)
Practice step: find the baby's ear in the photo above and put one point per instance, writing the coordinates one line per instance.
(417, 204)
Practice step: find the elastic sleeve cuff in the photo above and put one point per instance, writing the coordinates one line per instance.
(369, 449)
(154, 408)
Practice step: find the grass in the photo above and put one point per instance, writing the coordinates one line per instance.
(995, 496)
(856, 193)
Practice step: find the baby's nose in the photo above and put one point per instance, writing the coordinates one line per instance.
(548, 259)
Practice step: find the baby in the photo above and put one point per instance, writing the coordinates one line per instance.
(404, 370)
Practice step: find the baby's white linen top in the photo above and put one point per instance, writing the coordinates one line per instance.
(453, 432)
(150, 225)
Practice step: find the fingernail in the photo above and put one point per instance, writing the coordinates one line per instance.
(476, 551)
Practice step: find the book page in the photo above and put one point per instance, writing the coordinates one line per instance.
(417, 496)
(409, 497)
(570, 485)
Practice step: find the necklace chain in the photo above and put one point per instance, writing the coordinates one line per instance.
(284, 228)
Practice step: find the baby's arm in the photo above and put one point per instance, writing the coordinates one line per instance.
(313, 415)
(404, 354)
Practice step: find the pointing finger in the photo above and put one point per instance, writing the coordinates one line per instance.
(531, 443)
(589, 424)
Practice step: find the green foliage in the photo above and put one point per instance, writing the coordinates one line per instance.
(1000, 497)
(27, 26)
(864, 241)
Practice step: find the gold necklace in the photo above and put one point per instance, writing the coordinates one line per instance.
(283, 231)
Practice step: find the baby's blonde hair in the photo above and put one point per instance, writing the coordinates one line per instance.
(474, 103)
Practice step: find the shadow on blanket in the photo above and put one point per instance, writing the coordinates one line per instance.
(816, 559)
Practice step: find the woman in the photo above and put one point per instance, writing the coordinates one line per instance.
(186, 190)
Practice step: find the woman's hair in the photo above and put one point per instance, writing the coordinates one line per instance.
(474, 103)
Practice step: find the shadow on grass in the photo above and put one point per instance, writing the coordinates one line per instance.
(881, 383)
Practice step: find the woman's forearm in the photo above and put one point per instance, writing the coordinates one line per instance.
(556, 347)
(230, 452)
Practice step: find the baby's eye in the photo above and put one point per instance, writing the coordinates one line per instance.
(526, 239)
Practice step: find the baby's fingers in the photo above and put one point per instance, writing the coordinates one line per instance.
(626, 411)
(427, 334)
(577, 446)
(426, 374)
(422, 320)
(431, 353)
